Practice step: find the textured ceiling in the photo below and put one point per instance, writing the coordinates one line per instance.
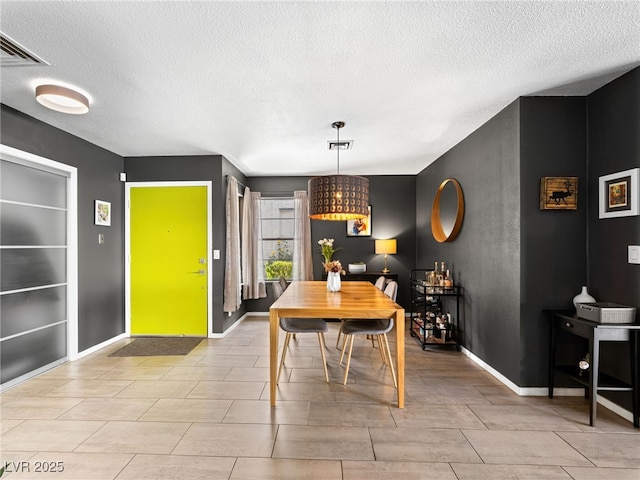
(261, 82)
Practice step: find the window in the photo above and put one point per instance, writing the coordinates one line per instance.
(276, 241)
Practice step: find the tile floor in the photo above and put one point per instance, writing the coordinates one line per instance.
(206, 415)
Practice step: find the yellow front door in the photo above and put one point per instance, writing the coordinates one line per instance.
(168, 255)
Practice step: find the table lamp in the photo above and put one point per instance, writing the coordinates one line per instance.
(388, 247)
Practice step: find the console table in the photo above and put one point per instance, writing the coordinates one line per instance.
(366, 277)
(595, 381)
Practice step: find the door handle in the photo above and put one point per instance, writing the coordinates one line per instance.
(200, 272)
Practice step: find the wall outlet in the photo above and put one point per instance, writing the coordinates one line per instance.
(216, 254)
(634, 254)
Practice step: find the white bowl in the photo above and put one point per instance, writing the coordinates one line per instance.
(357, 267)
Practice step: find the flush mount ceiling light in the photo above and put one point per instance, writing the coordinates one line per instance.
(62, 99)
(338, 197)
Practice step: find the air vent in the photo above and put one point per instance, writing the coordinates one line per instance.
(341, 145)
(15, 55)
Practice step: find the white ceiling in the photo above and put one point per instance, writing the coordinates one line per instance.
(261, 82)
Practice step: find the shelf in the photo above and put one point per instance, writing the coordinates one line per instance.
(418, 333)
(605, 382)
(435, 291)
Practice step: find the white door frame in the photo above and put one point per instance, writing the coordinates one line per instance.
(29, 159)
(127, 243)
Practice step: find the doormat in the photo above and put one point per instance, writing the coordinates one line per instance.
(158, 346)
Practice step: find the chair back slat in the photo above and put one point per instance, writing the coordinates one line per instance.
(277, 290)
(391, 290)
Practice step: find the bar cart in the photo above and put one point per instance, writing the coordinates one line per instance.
(431, 320)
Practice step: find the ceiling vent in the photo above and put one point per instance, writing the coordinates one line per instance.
(341, 145)
(15, 55)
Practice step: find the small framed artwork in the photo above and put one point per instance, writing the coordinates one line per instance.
(103, 213)
(618, 194)
(359, 228)
(559, 193)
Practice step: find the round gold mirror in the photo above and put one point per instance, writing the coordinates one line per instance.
(447, 211)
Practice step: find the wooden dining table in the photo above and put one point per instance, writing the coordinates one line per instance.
(311, 299)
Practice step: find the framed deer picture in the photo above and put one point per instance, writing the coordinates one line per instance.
(559, 193)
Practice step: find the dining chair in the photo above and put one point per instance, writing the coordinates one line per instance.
(375, 328)
(380, 282)
(283, 282)
(300, 325)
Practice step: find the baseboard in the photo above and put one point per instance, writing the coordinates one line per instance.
(233, 326)
(542, 391)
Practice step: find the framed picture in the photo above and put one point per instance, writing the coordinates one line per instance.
(359, 228)
(103, 213)
(559, 193)
(618, 194)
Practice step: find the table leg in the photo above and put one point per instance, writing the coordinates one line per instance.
(273, 353)
(635, 401)
(552, 355)
(594, 347)
(399, 319)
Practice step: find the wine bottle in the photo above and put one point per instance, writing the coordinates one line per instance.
(448, 280)
(432, 275)
(439, 274)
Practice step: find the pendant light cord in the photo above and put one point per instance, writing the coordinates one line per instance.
(338, 126)
(338, 148)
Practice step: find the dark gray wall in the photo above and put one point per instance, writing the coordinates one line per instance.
(614, 145)
(513, 259)
(553, 143)
(485, 257)
(212, 168)
(100, 267)
(392, 200)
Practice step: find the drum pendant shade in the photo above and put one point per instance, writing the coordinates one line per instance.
(338, 197)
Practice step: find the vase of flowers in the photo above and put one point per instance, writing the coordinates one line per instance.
(334, 270)
(327, 249)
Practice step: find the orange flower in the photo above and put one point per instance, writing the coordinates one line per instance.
(333, 266)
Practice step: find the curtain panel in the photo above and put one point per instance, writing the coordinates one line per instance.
(232, 273)
(253, 285)
(302, 254)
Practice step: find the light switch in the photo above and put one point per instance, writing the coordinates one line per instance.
(634, 253)
(216, 254)
(100, 238)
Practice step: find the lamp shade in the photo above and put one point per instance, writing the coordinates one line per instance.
(338, 197)
(62, 99)
(386, 246)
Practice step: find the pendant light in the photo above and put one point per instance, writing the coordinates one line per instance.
(338, 197)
